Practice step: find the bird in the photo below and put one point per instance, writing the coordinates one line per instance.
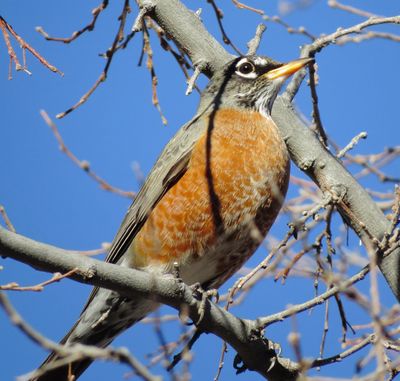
(206, 205)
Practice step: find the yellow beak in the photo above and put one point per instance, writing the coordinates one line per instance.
(288, 69)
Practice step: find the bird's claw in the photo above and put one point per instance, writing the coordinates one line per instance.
(203, 296)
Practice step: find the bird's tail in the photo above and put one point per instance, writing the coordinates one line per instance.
(105, 316)
(58, 368)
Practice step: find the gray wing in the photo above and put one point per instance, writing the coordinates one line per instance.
(168, 169)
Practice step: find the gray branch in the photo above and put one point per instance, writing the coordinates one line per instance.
(244, 336)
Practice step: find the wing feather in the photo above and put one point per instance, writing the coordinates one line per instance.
(168, 169)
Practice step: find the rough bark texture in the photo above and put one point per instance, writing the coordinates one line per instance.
(242, 335)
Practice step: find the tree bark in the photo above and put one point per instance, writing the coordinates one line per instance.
(243, 335)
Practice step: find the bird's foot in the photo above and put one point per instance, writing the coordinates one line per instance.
(203, 295)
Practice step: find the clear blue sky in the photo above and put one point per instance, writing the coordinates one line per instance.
(51, 200)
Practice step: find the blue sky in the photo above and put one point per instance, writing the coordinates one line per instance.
(51, 200)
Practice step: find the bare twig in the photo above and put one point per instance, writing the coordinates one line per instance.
(150, 66)
(371, 165)
(219, 15)
(224, 349)
(322, 42)
(192, 81)
(163, 344)
(290, 29)
(38, 287)
(352, 144)
(294, 340)
(294, 227)
(178, 357)
(179, 56)
(325, 329)
(5, 28)
(11, 52)
(6, 219)
(364, 36)
(265, 321)
(350, 9)
(244, 6)
(316, 116)
(83, 164)
(110, 54)
(355, 348)
(88, 28)
(254, 43)
(105, 246)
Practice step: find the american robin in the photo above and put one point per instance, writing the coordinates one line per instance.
(207, 204)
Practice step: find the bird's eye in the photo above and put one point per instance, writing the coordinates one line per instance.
(246, 68)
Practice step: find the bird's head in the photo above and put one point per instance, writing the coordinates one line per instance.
(250, 82)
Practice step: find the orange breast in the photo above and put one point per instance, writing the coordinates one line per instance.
(238, 173)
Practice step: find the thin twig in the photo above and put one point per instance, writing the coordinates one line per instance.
(88, 28)
(105, 246)
(221, 363)
(364, 36)
(292, 232)
(110, 54)
(11, 52)
(322, 42)
(192, 80)
(38, 287)
(178, 357)
(350, 9)
(150, 66)
(83, 164)
(6, 219)
(325, 329)
(316, 115)
(219, 15)
(24, 46)
(290, 29)
(254, 43)
(265, 321)
(240, 5)
(352, 144)
(363, 343)
(179, 56)
(164, 347)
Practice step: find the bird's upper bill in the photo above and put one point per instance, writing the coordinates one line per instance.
(288, 69)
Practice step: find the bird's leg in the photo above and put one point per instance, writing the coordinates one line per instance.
(202, 295)
(272, 351)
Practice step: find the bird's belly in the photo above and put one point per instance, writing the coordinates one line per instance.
(216, 215)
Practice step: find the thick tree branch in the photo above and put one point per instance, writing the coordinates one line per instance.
(355, 205)
(185, 28)
(243, 335)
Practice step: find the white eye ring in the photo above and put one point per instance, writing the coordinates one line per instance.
(246, 69)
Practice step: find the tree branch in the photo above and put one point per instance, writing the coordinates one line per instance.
(244, 336)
